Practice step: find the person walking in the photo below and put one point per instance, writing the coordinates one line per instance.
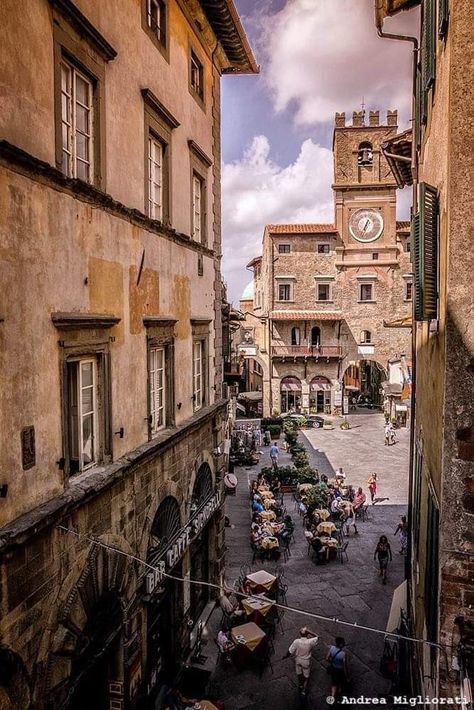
(348, 517)
(372, 483)
(383, 552)
(402, 528)
(386, 430)
(274, 456)
(337, 669)
(301, 649)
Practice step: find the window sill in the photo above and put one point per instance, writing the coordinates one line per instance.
(278, 301)
(366, 301)
(325, 301)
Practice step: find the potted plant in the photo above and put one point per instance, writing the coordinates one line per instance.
(275, 430)
(345, 425)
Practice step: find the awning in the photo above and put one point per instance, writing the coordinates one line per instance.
(250, 396)
(320, 387)
(240, 408)
(405, 322)
(306, 315)
(290, 387)
(399, 604)
(351, 388)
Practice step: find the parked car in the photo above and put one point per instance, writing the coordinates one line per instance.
(364, 401)
(315, 421)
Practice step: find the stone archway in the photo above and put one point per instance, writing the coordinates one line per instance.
(83, 651)
(14, 681)
(363, 378)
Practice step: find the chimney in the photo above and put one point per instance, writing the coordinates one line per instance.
(340, 120)
(391, 118)
(358, 118)
(373, 118)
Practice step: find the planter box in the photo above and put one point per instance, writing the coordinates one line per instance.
(274, 437)
(328, 426)
(288, 488)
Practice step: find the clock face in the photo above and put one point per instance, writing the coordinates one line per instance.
(366, 225)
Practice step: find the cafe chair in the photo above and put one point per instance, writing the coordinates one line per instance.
(258, 553)
(342, 551)
(285, 543)
(244, 571)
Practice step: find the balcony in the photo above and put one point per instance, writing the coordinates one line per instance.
(305, 351)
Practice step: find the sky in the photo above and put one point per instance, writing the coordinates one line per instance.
(316, 57)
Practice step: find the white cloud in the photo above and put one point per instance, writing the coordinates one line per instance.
(257, 191)
(323, 56)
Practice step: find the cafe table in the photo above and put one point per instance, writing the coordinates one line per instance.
(328, 541)
(265, 494)
(261, 581)
(268, 515)
(269, 502)
(322, 513)
(256, 609)
(248, 639)
(273, 528)
(327, 528)
(269, 543)
(304, 486)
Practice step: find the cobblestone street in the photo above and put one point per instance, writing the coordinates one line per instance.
(351, 592)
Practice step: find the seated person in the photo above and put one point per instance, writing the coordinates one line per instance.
(302, 507)
(231, 609)
(257, 507)
(308, 535)
(350, 493)
(336, 506)
(225, 644)
(255, 534)
(359, 499)
(321, 550)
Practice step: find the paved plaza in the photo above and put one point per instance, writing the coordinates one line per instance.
(350, 592)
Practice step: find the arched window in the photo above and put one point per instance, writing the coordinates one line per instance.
(295, 336)
(166, 525)
(202, 489)
(290, 394)
(365, 154)
(315, 335)
(365, 336)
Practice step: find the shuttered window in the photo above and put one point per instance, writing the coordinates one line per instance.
(443, 17)
(428, 44)
(419, 109)
(432, 569)
(416, 512)
(425, 238)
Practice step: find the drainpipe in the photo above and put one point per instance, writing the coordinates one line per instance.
(408, 559)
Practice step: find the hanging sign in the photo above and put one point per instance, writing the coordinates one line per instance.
(175, 551)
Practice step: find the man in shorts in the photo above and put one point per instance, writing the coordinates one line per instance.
(301, 649)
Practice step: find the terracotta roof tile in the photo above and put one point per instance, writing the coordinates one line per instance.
(306, 315)
(301, 228)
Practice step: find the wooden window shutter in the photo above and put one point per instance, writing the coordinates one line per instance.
(415, 250)
(429, 250)
(432, 570)
(443, 17)
(428, 44)
(419, 95)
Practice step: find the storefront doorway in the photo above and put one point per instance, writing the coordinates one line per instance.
(320, 395)
(290, 395)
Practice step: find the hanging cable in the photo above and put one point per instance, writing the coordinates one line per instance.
(284, 607)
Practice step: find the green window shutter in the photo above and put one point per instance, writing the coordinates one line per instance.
(418, 109)
(415, 250)
(428, 239)
(428, 44)
(443, 17)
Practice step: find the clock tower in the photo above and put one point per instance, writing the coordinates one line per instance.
(364, 192)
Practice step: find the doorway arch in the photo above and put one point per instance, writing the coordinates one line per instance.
(363, 379)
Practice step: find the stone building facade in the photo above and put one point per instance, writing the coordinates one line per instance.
(324, 294)
(112, 419)
(441, 568)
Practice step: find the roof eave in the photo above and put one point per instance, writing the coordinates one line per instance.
(225, 22)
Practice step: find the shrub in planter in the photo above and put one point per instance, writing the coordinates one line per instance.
(300, 421)
(315, 496)
(301, 459)
(274, 430)
(291, 437)
(345, 425)
(266, 422)
(307, 474)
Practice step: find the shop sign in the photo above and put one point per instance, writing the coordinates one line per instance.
(345, 408)
(338, 398)
(177, 549)
(247, 350)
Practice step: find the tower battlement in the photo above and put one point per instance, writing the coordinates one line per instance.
(359, 119)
